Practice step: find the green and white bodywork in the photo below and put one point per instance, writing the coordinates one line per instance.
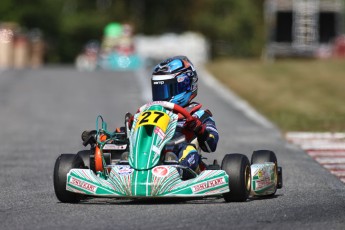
(264, 179)
(164, 180)
(146, 176)
(152, 128)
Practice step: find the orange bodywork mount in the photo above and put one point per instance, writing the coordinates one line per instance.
(98, 155)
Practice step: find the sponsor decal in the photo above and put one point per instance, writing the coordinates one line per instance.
(159, 132)
(148, 105)
(125, 170)
(191, 160)
(259, 174)
(263, 173)
(262, 178)
(158, 82)
(260, 184)
(208, 184)
(83, 184)
(160, 171)
(156, 150)
(114, 147)
(180, 79)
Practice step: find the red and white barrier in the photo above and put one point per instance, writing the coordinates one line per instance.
(328, 149)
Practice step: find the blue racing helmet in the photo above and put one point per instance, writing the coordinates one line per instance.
(174, 80)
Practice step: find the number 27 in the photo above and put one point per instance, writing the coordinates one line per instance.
(147, 114)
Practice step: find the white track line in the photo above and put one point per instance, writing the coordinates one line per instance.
(230, 98)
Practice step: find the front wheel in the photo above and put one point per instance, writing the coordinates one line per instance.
(238, 169)
(263, 156)
(64, 163)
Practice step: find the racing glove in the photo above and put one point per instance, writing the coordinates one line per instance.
(195, 125)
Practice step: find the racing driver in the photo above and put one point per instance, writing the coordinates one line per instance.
(175, 80)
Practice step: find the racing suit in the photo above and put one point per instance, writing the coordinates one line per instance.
(207, 138)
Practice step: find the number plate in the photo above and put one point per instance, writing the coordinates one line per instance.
(154, 117)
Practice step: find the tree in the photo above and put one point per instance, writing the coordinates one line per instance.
(235, 28)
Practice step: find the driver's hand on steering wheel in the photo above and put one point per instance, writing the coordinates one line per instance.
(195, 125)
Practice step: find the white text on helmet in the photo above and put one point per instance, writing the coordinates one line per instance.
(158, 82)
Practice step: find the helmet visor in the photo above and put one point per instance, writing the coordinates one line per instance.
(164, 90)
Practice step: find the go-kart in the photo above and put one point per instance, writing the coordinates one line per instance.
(130, 163)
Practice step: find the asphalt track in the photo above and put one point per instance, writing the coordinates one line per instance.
(43, 112)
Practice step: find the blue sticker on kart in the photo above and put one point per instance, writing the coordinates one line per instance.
(125, 170)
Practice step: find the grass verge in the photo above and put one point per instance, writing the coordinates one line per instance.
(296, 95)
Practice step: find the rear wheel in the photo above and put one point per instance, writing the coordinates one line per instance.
(64, 163)
(85, 156)
(263, 156)
(238, 169)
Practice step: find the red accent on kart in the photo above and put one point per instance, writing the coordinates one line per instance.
(191, 111)
(130, 122)
(98, 160)
(182, 111)
(195, 108)
(98, 155)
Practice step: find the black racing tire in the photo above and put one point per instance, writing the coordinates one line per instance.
(238, 169)
(64, 163)
(107, 158)
(85, 156)
(263, 156)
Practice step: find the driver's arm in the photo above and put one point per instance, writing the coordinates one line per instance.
(209, 139)
(205, 129)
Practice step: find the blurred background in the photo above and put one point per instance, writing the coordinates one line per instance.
(59, 30)
(67, 25)
(267, 46)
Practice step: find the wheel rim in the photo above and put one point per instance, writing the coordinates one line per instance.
(275, 174)
(247, 178)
